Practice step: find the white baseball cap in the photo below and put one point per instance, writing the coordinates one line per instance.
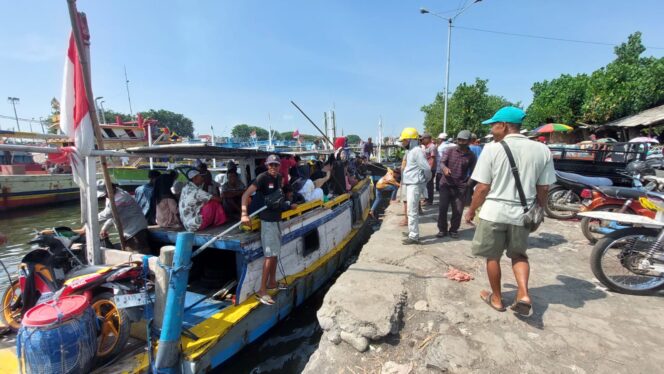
(442, 135)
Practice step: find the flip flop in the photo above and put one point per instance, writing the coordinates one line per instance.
(487, 300)
(265, 299)
(280, 287)
(522, 308)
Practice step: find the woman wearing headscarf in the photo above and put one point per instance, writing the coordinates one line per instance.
(167, 214)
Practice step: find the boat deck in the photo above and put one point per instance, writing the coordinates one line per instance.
(231, 241)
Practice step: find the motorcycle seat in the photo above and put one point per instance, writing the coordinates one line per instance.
(85, 271)
(622, 192)
(580, 179)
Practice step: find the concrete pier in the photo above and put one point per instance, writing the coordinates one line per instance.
(393, 311)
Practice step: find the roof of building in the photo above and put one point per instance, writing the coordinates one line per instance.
(650, 117)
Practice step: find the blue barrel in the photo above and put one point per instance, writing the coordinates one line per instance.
(58, 337)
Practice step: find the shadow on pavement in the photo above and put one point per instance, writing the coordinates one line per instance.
(572, 293)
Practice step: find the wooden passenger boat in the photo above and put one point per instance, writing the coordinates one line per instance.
(317, 238)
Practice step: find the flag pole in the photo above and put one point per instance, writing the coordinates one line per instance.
(82, 56)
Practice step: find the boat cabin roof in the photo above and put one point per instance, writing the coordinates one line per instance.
(202, 150)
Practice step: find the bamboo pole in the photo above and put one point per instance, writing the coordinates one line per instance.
(82, 57)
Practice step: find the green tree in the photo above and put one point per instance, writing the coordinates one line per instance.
(175, 122)
(625, 86)
(468, 106)
(557, 101)
(353, 139)
(111, 117)
(243, 131)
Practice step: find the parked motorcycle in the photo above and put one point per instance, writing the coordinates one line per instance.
(572, 191)
(620, 200)
(53, 270)
(631, 260)
(565, 198)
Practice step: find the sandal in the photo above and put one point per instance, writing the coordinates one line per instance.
(487, 300)
(265, 299)
(280, 287)
(522, 308)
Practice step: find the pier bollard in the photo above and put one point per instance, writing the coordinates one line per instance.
(161, 282)
(168, 354)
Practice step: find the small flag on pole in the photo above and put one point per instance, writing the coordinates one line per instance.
(296, 134)
(253, 134)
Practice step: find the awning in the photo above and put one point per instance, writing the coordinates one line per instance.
(650, 117)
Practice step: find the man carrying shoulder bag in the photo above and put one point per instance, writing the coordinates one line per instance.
(510, 209)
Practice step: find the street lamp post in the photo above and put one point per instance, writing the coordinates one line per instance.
(103, 111)
(449, 45)
(97, 105)
(13, 101)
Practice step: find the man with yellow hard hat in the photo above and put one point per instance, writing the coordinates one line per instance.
(414, 177)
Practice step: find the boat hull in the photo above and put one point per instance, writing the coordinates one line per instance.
(20, 191)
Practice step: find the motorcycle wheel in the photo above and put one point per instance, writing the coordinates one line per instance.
(588, 224)
(555, 194)
(8, 317)
(621, 248)
(115, 325)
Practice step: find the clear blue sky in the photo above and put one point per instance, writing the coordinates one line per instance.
(227, 62)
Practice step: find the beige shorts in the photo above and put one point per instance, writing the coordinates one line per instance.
(492, 238)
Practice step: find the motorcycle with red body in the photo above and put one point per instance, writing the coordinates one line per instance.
(54, 268)
(618, 200)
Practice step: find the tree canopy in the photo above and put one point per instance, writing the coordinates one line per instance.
(175, 122)
(626, 86)
(468, 106)
(353, 139)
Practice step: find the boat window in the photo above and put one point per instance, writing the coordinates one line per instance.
(311, 242)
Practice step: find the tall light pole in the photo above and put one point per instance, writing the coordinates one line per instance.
(13, 101)
(449, 44)
(131, 113)
(97, 105)
(103, 111)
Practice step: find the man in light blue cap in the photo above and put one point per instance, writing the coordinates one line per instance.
(501, 228)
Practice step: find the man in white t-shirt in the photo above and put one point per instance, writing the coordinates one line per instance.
(500, 225)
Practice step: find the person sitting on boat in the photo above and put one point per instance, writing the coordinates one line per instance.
(176, 189)
(388, 182)
(143, 195)
(167, 214)
(231, 193)
(198, 208)
(268, 185)
(209, 184)
(134, 224)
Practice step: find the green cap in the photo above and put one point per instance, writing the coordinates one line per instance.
(509, 114)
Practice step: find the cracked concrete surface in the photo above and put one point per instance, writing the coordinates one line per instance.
(577, 326)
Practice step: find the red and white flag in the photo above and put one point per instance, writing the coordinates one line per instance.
(252, 134)
(296, 134)
(74, 107)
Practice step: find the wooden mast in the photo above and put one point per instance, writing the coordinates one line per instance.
(78, 20)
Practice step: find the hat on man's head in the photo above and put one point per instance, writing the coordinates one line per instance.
(192, 173)
(273, 159)
(508, 114)
(426, 135)
(473, 136)
(442, 135)
(464, 134)
(101, 189)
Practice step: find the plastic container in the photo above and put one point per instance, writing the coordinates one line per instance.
(58, 337)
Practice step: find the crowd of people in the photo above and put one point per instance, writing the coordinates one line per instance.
(466, 173)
